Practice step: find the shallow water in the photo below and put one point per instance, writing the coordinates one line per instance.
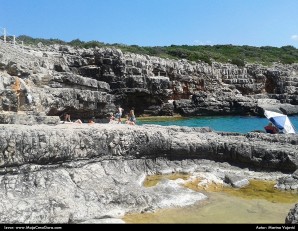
(155, 179)
(257, 203)
(219, 208)
(263, 190)
(242, 124)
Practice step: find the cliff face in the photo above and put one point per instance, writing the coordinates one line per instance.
(93, 82)
(77, 173)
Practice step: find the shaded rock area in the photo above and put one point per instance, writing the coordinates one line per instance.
(292, 217)
(73, 173)
(94, 82)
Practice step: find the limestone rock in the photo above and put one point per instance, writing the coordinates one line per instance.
(236, 181)
(288, 182)
(72, 173)
(144, 82)
(292, 217)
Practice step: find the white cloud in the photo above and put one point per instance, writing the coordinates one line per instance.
(294, 37)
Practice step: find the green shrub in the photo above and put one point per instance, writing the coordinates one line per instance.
(239, 62)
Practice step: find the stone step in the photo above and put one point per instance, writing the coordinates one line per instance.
(24, 119)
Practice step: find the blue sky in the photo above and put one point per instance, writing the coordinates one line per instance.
(156, 22)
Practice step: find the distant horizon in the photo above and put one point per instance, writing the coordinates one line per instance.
(156, 23)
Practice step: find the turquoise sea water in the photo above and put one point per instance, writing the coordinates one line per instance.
(242, 124)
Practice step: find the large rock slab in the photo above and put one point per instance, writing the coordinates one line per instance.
(43, 144)
(72, 173)
(25, 119)
(236, 181)
(85, 191)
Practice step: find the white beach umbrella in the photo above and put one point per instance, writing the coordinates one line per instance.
(281, 121)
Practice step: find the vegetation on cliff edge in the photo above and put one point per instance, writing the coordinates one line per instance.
(238, 55)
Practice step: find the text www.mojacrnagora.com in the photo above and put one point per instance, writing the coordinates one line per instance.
(32, 227)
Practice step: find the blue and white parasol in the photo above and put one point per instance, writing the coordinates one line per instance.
(281, 121)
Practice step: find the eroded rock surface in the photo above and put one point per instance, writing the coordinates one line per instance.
(93, 82)
(74, 173)
(50, 144)
(80, 173)
(292, 217)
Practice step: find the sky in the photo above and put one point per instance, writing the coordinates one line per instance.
(155, 22)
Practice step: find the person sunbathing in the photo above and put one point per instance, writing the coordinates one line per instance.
(91, 121)
(270, 128)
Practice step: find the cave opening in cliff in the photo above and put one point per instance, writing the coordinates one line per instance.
(270, 85)
(140, 102)
(75, 114)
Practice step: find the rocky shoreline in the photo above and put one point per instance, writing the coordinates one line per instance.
(71, 173)
(84, 173)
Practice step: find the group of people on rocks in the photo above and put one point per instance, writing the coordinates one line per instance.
(130, 117)
(116, 119)
(66, 119)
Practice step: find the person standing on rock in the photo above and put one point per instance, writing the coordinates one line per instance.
(119, 114)
(65, 117)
